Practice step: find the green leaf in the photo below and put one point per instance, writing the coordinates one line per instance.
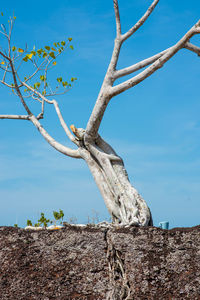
(29, 56)
(39, 51)
(63, 43)
(2, 14)
(44, 54)
(55, 44)
(69, 39)
(52, 55)
(42, 77)
(73, 79)
(61, 213)
(14, 48)
(33, 52)
(47, 48)
(59, 79)
(71, 47)
(25, 59)
(56, 215)
(20, 50)
(36, 86)
(65, 83)
(29, 223)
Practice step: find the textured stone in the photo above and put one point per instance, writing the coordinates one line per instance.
(92, 262)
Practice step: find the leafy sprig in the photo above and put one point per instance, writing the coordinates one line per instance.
(44, 222)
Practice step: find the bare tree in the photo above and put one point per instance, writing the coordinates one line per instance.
(124, 203)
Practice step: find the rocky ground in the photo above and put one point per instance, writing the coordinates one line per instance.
(91, 263)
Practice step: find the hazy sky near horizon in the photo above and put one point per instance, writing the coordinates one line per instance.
(155, 126)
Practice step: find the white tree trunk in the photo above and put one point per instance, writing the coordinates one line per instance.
(123, 202)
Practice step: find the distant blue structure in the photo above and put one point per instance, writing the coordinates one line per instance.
(164, 225)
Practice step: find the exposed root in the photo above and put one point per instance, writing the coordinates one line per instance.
(120, 287)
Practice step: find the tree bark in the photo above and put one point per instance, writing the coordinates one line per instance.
(122, 200)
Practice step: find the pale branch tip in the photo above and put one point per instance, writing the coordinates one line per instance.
(141, 21)
(117, 18)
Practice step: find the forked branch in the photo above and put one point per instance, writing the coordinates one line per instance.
(159, 62)
(152, 63)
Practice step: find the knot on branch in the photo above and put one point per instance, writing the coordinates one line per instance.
(78, 132)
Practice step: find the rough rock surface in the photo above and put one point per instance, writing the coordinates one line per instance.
(91, 263)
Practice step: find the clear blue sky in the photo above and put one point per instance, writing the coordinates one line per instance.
(155, 127)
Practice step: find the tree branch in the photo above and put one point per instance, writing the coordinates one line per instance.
(59, 147)
(57, 109)
(63, 124)
(105, 93)
(100, 155)
(15, 117)
(4, 56)
(19, 117)
(156, 65)
(36, 92)
(142, 64)
(117, 18)
(141, 21)
(15, 79)
(193, 48)
(6, 84)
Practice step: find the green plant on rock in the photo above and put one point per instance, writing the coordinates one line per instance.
(29, 223)
(58, 216)
(44, 222)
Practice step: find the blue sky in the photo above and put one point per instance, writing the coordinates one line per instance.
(155, 126)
